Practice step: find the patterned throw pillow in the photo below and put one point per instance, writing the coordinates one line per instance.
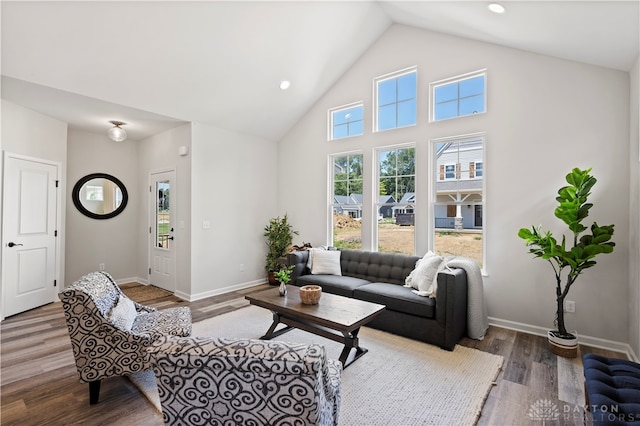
(123, 314)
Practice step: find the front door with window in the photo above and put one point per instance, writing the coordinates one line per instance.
(163, 250)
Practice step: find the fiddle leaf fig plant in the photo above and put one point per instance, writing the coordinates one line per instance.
(569, 260)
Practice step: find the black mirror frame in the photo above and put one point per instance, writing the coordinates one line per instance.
(75, 195)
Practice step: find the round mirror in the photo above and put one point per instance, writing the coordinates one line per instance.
(100, 196)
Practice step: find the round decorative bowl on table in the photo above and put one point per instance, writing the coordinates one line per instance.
(310, 294)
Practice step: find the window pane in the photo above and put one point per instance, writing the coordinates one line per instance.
(472, 86)
(347, 201)
(446, 110)
(339, 117)
(387, 92)
(163, 214)
(396, 234)
(457, 211)
(445, 93)
(407, 113)
(340, 131)
(387, 117)
(355, 128)
(459, 98)
(356, 113)
(406, 161)
(407, 87)
(472, 105)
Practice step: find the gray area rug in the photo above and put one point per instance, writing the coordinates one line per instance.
(398, 382)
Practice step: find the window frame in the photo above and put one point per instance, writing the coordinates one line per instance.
(330, 120)
(434, 179)
(377, 205)
(331, 192)
(451, 80)
(376, 107)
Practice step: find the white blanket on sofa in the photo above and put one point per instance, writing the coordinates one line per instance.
(477, 316)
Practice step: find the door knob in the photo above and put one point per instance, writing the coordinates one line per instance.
(12, 244)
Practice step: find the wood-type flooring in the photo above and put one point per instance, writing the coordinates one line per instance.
(39, 383)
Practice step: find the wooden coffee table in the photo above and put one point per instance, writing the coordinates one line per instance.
(335, 317)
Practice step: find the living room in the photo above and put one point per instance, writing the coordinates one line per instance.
(540, 122)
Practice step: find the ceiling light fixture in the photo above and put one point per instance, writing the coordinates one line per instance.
(117, 133)
(497, 8)
(285, 84)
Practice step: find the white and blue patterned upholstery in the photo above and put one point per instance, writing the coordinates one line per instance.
(218, 381)
(102, 349)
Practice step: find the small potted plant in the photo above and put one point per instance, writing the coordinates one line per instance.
(283, 276)
(574, 257)
(279, 234)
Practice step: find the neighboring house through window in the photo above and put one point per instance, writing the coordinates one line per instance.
(346, 200)
(397, 185)
(458, 206)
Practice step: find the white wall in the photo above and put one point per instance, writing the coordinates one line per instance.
(157, 153)
(545, 116)
(634, 212)
(29, 133)
(234, 187)
(109, 241)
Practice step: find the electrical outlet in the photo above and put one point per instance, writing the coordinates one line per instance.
(570, 306)
(101, 267)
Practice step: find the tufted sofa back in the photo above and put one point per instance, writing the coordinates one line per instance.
(377, 267)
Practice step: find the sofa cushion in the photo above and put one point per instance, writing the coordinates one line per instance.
(377, 267)
(397, 298)
(335, 284)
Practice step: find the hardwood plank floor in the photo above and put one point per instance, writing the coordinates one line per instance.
(39, 384)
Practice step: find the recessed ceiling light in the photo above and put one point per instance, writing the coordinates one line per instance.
(497, 8)
(285, 84)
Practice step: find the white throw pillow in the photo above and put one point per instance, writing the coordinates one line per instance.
(123, 314)
(408, 282)
(326, 262)
(425, 276)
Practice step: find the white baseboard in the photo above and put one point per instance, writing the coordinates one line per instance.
(131, 280)
(218, 291)
(596, 342)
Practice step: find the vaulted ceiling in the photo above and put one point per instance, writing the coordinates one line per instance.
(157, 64)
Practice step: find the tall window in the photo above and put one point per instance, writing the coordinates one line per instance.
(396, 200)
(459, 197)
(346, 201)
(346, 121)
(459, 96)
(395, 100)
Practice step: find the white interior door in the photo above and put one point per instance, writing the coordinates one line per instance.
(30, 209)
(163, 246)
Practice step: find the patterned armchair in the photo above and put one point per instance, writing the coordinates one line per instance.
(110, 333)
(242, 381)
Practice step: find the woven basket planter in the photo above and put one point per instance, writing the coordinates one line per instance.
(567, 348)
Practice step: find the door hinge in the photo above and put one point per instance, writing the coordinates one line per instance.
(55, 233)
(57, 182)
(150, 188)
(149, 229)
(55, 283)
(149, 271)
